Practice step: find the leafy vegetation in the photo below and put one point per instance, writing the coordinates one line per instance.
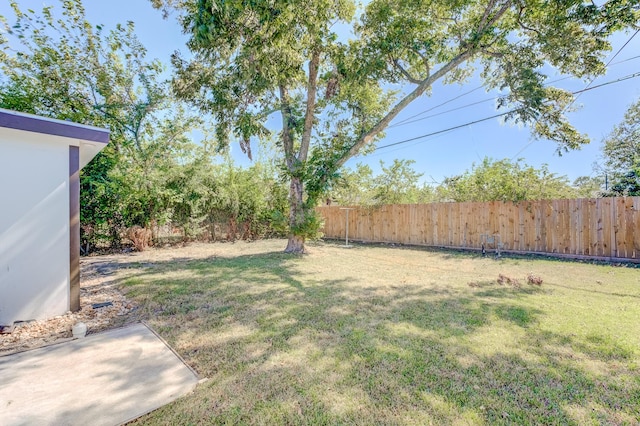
(504, 180)
(621, 148)
(627, 184)
(379, 335)
(151, 173)
(327, 74)
(491, 180)
(255, 59)
(396, 184)
(621, 152)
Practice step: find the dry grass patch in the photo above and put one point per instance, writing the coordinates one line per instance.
(378, 335)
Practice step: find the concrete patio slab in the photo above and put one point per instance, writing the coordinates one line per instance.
(103, 379)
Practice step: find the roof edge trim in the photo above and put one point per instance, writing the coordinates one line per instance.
(49, 126)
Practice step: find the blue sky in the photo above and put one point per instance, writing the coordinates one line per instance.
(448, 153)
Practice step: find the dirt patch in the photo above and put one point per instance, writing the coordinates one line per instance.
(99, 278)
(96, 286)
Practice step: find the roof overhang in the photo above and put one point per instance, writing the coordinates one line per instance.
(91, 140)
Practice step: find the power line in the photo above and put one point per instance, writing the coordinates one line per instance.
(626, 77)
(435, 107)
(406, 120)
(579, 93)
(626, 60)
(586, 89)
(446, 130)
(607, 64)
(416, 143)
(403, 123)
(410, 119)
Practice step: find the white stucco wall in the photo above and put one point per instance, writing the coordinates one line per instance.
(34, 226)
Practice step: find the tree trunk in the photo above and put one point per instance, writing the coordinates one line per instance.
(295, 244)
(296, 216)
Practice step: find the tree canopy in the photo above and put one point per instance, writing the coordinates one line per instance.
(490, 180)
(621, 148)
(505, 180)
(325, 70)
(621, 154)
(398, 183)
(56, 63)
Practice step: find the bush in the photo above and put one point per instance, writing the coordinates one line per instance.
(140, 237)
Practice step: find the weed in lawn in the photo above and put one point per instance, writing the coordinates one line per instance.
(378, 335)
(533, 279)
(505, 280)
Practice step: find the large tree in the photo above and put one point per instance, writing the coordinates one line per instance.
(505, 180)
(621, 148)
(621, 155)
(55, 63)
(327, 74)
(398, 183)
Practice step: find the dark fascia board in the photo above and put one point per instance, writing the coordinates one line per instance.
(49, 126)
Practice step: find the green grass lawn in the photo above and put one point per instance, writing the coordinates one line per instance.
(388, 335)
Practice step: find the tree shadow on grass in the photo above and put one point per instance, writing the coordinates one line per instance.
(287, 347)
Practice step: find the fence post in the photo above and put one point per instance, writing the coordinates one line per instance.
(346, 234)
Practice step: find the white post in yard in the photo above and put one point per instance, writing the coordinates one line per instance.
(346, 234)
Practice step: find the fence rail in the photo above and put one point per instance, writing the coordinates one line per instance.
(593, 227)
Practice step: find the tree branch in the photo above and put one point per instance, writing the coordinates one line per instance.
(523, 26)
(287, 138)
(485, 16)
(312, 89)
(409, 77)
(425, 60)
(384, 121)
(488, 24)
(487, 52)
(499, 14)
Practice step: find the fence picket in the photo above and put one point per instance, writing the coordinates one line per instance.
(629, 228)
(600, 227)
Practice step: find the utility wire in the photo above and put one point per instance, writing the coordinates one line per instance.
(435, 107)
(446, 130)
(579, 93)
(586, 89)
(626, 60)
(404, 123)
(410, 119)
(607, 64)
(444, 133)
(406, 120)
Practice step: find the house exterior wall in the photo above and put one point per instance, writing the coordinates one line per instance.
(34, 226)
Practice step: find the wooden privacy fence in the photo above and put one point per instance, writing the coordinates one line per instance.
(594, 227)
